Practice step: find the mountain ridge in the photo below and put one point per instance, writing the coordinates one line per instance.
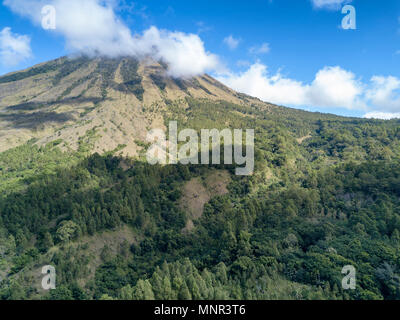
(44, 101)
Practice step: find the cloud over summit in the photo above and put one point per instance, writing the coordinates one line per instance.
(92, 27)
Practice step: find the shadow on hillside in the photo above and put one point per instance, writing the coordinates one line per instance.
(34, 120)
(29, 106)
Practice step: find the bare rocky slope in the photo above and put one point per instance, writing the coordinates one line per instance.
(111, 102)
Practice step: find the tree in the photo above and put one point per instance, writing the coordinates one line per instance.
(184, 293)
(67, 231)
(143, 291)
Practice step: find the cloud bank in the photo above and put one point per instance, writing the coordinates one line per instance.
(14, 48)
(93, 28)
(332, 87)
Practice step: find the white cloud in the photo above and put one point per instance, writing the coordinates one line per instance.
(335, 87)
(184, 53)
(93, 28)
(231, 42)
(329, 4)
(257, 82)
(263, 49)
(384, 93)
(14, 48)
(382, 115)
(332, 87)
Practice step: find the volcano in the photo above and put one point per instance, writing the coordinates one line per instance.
(118, 100)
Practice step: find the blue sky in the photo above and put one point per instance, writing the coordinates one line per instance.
(289, 52)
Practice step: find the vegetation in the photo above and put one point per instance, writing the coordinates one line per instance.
(29, 73)
(132, 81)
(325, 193)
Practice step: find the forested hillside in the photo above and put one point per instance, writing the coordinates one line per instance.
(325, 193)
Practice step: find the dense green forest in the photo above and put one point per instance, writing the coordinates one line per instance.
(325, 193)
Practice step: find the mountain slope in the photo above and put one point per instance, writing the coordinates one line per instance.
(120, 99)
(324, 193)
